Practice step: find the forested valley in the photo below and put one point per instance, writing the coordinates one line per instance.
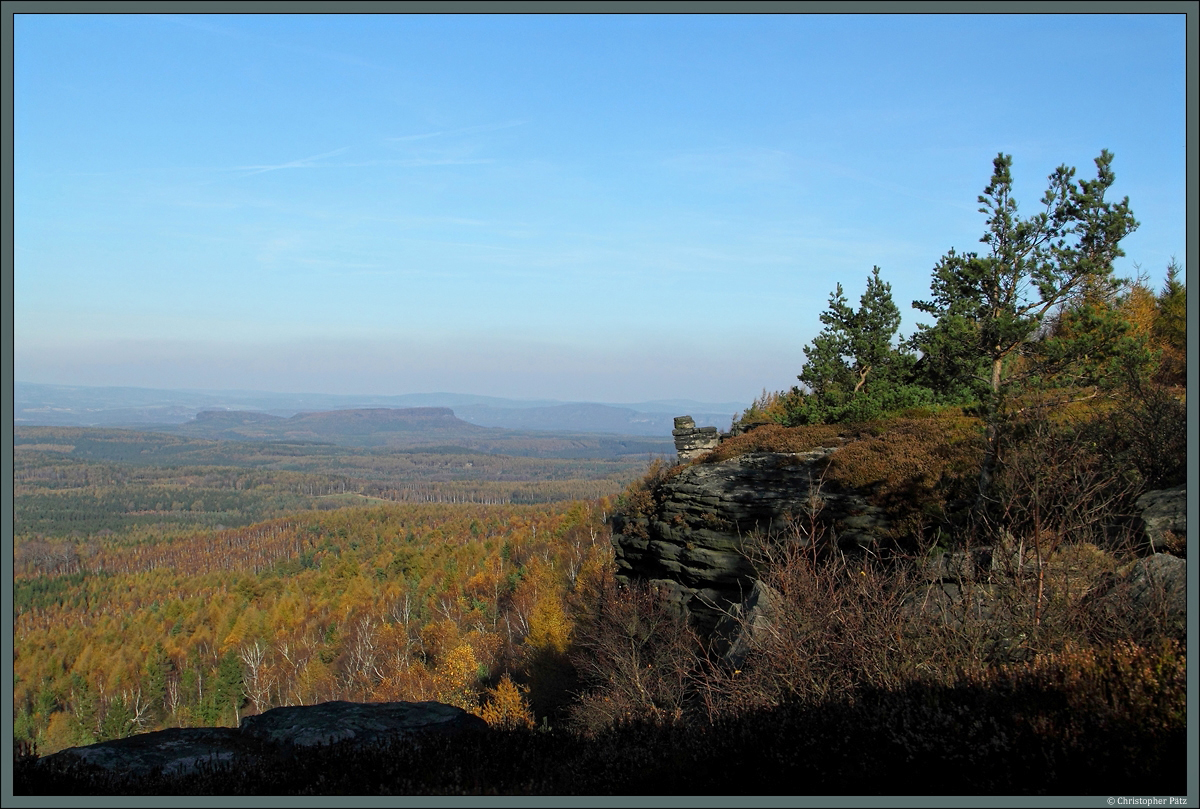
(152, 594)
(165, 582)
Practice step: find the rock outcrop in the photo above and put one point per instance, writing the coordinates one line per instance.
(1159, 584)
(746, 625)
(696, 539)
(266, 736)
(692, 441)
(1150, 594)
(694, 543)
(1164, 519)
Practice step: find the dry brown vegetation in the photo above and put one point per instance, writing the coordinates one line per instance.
(917, 466)
(1035, 582)
(774, 438)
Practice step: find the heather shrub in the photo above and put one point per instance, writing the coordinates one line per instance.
(1054, 485)
(776, 438)
(1148, 434)
(918, 469)
(641, 497)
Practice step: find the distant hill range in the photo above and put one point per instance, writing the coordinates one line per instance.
(258, 415)
(361, 427)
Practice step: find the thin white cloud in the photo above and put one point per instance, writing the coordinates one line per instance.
(303, 163)
(310, 163)
(413, 163)
(468, 130)
(336, 264)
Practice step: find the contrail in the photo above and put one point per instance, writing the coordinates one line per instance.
(295, 164)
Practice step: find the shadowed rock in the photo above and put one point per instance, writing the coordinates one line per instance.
(747, 625)
(173, 751)
(268, 735)
(1157, 589)
(1164, 518)
(330, 722)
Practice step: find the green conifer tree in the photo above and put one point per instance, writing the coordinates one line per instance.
(990, 306)
(854, 370)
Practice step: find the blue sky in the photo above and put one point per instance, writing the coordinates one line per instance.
(602, 208)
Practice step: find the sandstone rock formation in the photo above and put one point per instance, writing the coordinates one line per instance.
(746, 625)
(1159, 583)
(692, 441)
(695, 543)
(273, 733)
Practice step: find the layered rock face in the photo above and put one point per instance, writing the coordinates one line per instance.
(696, 541)
(694, 544)
(692, 441)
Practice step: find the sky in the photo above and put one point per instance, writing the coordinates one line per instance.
(585, 208)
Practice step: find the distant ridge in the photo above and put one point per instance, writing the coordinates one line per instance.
(375, 426)
(377, 419)
(249, 411)
(230, 418)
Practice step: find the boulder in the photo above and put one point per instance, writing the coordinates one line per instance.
(973, 564)
(330, 722)
(955, 604)
(266, 736)
(1148, 596)
(174, 751)
(746, 625)
(1158, 588)
(1164, 518)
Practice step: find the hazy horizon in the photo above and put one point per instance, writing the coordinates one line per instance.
(465, 395)
(600, 208)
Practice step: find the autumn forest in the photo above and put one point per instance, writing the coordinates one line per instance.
(150, 595)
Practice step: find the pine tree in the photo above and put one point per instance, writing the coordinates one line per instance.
(1170, 328)
(854, 371)
(990, 307)
(228, 694)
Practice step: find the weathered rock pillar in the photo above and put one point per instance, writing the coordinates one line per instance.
(690, 440)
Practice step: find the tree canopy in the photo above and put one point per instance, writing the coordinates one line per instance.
(989, 306)
(855, 370)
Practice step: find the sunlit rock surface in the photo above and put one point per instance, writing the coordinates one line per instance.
(695, 544)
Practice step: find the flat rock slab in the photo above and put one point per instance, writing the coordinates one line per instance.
(276, 732)
(172, 751)
(330, 722)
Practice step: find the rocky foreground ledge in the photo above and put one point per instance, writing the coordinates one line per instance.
(269, 736)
